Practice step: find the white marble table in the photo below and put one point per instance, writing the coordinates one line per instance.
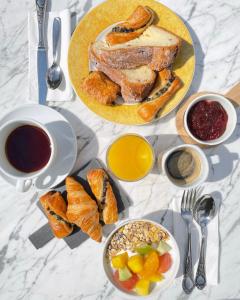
(55, 271)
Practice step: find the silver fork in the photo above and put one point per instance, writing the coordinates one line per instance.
(188, 201)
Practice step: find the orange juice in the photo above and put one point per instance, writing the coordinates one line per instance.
(130, 157)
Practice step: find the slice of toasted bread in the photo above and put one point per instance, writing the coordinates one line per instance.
(135, 25)
(101, 88)
(135, 84)
(156, 47)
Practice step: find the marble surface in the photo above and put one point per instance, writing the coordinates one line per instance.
(55, 271)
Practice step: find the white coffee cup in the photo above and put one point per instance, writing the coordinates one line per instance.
(23, 180)
(204, 170)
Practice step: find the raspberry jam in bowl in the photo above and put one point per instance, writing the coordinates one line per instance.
(207, 120)
(210, 119)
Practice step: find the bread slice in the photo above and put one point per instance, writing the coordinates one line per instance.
(156, 47)
(136, 84)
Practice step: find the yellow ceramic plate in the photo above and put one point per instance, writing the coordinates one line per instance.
(101, 17)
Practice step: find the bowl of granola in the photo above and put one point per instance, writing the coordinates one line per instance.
(141, 258)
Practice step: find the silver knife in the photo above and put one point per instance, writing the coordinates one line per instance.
(42, 65)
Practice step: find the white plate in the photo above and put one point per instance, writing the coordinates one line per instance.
(169, 275)
(65, 140)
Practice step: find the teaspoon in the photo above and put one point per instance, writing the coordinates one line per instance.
(54, 73)
(203, 212)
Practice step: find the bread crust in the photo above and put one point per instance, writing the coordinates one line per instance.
(130, 56)
(156, 57)
(131, 91)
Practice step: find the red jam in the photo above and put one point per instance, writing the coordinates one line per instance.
(207, 120)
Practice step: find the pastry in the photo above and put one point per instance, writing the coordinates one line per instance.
(101, 188)
(155, 47)
(101, 88)
(82, 209)
(55, 208)
(166, 86)
(134, 26)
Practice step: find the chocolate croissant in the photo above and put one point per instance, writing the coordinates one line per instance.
(82, 209)
(55, 208)
(102, 190)
(166, 86)
(135, 25)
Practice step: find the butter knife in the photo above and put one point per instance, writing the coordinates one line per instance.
(42, 65)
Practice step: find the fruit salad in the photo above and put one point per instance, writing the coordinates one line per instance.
(138, 270)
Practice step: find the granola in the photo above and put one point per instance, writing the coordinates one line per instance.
(133, 235)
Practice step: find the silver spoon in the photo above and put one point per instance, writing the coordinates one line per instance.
(203, 212)
(54, 73)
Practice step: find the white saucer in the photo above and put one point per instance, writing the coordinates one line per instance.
(65, 140)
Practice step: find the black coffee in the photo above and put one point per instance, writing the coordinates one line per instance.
(28, 148)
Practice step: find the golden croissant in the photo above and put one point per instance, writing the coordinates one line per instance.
(82, 209)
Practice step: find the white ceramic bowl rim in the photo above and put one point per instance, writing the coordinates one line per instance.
(230, 110)
(176, 262)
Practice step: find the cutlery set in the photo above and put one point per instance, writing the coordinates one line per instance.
(202, 210)
(47, 77)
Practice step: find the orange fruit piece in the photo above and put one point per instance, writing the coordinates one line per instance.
(151, 265)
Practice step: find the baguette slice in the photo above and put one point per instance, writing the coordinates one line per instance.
(135, 84)
(156, 47)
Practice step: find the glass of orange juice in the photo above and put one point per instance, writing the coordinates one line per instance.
(130, 157)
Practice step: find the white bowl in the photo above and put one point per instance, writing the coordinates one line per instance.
(204, 165)
(160, 286)
(231, 123)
